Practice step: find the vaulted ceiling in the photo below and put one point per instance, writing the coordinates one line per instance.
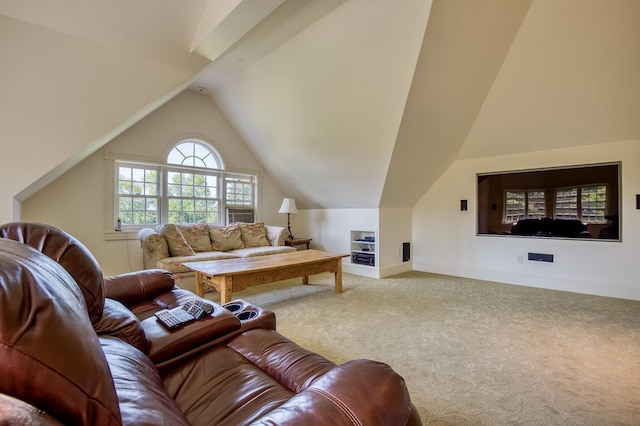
(347, 103)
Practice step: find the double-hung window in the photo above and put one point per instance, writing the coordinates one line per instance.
(524, 205)
(138, 194)
(192, 197)
(585, 203)
(239, 190)
(191, 187)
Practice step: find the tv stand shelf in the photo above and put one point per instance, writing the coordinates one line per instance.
(363, 247)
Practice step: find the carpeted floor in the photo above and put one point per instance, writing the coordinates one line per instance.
(474, 352)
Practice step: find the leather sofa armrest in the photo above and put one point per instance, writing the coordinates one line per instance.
(361, 392)
(291, 365)
(164, 345)
(137, 287)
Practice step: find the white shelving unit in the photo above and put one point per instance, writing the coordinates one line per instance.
(364, 247)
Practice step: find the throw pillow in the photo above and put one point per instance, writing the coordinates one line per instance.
(225, 238)
(178, 246)
(254, 234)
(197, 236)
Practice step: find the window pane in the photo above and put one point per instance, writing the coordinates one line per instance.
(124, 187)
(567, 203)
(126, 218)
(536, 204)
(239, 191)
(173, 189)
(139, 204)
(137, 188)
(152, 204)
(151, 189)
(138, 175)
(593, 200)
(515, 206)
(125, 203)
(151, 217)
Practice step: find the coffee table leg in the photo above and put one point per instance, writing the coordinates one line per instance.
(199, 285)
(338, 276)
(305, 280)
(225, 289)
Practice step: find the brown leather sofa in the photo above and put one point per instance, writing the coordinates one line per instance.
(77, 349)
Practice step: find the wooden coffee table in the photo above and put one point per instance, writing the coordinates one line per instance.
(231, 275)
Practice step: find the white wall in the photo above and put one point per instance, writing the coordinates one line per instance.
(445, 239)
(60, 96)
(331, 231)
(395, 229)
(77, 201)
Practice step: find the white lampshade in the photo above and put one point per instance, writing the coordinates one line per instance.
(288, 206)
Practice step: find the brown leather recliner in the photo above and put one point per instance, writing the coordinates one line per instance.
(79, 350)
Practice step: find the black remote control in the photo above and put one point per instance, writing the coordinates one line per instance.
(192, 310)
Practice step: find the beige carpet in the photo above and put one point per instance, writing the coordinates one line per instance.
(474, 352)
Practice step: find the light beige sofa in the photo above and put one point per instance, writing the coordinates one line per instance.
(169, 246)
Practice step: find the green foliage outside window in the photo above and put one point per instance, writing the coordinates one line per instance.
(137, 195)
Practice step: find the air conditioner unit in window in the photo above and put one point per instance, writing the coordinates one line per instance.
(239, 215)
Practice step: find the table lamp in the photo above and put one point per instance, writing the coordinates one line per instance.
(288, 206)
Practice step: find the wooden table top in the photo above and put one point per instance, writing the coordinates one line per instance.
(261, 263)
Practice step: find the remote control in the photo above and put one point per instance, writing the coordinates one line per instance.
(192, 310)
(197, 308)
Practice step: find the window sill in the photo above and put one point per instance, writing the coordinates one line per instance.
(120, 235)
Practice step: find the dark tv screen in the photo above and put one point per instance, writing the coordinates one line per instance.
(572, 202)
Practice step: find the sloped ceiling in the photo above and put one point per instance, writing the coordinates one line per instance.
(368, 106)
(348, 103)
(571, 78)
(463, 49)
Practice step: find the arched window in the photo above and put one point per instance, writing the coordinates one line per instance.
(195, 153)
(193, 188)
(190, 187)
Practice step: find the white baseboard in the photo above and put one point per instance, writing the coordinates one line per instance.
(373, 272)
(619, 291)
(362, 270)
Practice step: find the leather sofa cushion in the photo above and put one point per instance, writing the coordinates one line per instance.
(118, 321)
(237, 384)
(293, 366)
(141, 394)
(224, 389)
(51, 356)
(68, 252)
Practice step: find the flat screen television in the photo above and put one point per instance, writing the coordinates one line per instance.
(570, 202)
